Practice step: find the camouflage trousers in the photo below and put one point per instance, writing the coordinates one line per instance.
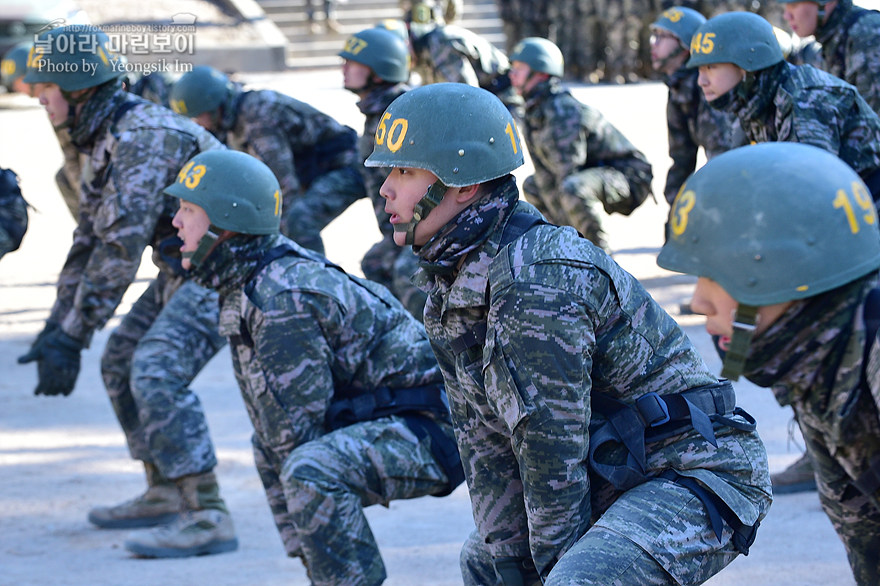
(317, 494)
(855, 516)
(393, 266)
(326, 198)
(580, 200)
(166, 338)
(656, 515)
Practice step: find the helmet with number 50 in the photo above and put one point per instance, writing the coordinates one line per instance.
(462, 134)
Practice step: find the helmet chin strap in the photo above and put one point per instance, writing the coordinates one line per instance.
(744, 321)
(666, 60)
(72, 103)
(429, 201)
(206, 244)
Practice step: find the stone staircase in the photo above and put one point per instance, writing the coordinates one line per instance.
(306, 50)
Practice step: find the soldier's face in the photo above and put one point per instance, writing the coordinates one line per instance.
(713, 301)
(719, 78)
(53, 101)
(519, 77)
(405, 187)
(355, 75)
(205, 120)
(192, 223)
(667, 54)
(802, 17)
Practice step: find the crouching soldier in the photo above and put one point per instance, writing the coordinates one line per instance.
(339, 380)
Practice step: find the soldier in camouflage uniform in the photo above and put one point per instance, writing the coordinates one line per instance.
(790, 313)
(13, 212)
(314, 157)
(690, 121)
(580, 159)
(742, 71)
(560, 370)
(850, 40)
(450, 53)
(13, 66)
(376, 67)
(171, 331)
(339, 380)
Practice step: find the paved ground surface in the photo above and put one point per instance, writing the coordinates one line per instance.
(61, 456)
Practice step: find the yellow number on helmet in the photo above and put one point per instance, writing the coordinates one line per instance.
(354, 45)
(681, 208)
(673, 15)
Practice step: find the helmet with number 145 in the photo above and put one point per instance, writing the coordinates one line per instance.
(742, 38)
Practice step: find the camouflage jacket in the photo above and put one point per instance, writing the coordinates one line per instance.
(13, 212)
(804, 104)
(692, 124)
(449, 53)
(301, 329)
(565, 136)
(135, 149)
(851, 49)
(372, 106)
(294, 139)
(562, 321)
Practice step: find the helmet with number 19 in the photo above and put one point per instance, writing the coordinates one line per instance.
(462, 134)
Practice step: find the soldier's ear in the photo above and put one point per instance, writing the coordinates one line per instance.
(468, 194)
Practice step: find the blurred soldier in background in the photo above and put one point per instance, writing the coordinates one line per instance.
(13, 212)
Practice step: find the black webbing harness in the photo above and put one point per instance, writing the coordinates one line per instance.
(651, 418)
(417, 406)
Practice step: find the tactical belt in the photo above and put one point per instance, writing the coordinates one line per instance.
(413, 405)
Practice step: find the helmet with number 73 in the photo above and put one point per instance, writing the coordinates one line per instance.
(237, 191)
(742, 38)
(773, 222)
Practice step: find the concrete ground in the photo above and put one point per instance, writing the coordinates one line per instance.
(60, 456)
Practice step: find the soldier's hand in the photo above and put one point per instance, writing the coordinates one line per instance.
(34, 352)
(58, 365)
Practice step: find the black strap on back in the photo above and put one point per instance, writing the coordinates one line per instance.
(443, 447)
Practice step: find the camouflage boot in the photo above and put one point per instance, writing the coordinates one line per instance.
(159, 505)
(799, 477)
(204, 526)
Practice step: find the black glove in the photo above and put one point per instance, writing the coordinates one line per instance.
(34, 352)
(58, 364)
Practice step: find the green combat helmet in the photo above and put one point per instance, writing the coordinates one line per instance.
(382, 51)
(237, 191)
(14, 64)
(462, 134)
(772, 223)
(742, 38)
(204, 89)
(541, 55)
(681, 21)
(74, 57)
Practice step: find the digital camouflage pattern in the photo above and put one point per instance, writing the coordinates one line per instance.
(837, 415)
(563, 321)
(385, 262)
(851, 48)
(691, 124)
(122, 208)
(13, 212)
(804, 104)
(167, 337)
(454, 54)
(314, 157)
(132, 155)
(301, 331)
(581, 161)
